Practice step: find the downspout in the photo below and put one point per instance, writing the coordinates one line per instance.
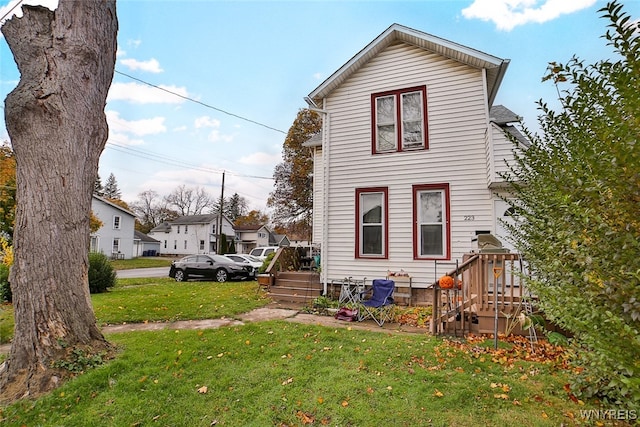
(325, 198)
(324, 242)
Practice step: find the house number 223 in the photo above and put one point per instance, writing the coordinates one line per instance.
(469, 218)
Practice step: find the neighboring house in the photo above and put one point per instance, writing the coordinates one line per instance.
(144, 245)
(406, 167)
(192, 234)
(115, 237)
(250, 237)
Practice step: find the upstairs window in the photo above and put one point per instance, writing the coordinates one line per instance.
(371, 220)
(399, 120)
(116, 222)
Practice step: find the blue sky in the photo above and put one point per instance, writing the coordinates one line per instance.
(257, 60)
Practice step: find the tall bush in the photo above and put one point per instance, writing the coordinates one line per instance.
(101, 273)
(578, 193)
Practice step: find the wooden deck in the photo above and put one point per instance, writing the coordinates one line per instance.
(491, 293)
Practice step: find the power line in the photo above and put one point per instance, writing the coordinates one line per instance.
(10, 10)
(201, 103)
(173, 162)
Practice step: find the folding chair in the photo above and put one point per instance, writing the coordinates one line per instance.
(379, 306)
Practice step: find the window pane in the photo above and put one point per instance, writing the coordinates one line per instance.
(371, 208)
(430, 207)
(386, 123)
(386, 138)
(386, 110)
(431, 240)
(412, 106)
(412, 120)
(372, 240)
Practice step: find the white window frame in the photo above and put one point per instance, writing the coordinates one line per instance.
(383, 194)
(420, 221)
(117, 222)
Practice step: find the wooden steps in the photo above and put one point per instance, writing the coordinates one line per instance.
(296, 286)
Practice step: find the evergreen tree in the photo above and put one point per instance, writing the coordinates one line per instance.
(111, 190)
(98, 188)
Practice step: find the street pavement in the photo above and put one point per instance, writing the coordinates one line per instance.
(143, 272)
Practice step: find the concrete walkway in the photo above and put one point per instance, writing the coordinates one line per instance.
(270, 312)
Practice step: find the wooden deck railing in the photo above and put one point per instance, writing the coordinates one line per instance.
(488, 279)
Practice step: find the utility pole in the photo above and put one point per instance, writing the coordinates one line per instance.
(219, 239)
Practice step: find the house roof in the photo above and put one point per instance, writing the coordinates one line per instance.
(496, 67)
(314, 141)
(103, 200)
(501, 115)
(138, 235)
(195, 219)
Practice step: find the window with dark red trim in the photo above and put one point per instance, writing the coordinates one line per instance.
(431, 219)
(399, 120)
(372, 221)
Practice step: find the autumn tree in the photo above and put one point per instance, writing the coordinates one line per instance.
(292, 198)
(56, 122)
(7, 189)
(110, 189)
(578, 194)
(189, 201)
(254, 218)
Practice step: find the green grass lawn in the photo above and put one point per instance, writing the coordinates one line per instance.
(140, 262)
(280, 373)
(286, 374)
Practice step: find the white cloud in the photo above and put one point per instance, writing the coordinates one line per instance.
(137, 127)
(215, 135)
(261, 159)
(143, 94)
(317, 76)
(151, 66)
(508, 14)
(206, 122)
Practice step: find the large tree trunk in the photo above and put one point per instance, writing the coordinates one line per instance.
(56, 122)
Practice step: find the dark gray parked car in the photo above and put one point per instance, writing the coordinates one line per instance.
(216, 267)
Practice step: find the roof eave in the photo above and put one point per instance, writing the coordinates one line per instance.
(396, 32)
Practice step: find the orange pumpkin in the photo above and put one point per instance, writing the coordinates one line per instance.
(446, 282)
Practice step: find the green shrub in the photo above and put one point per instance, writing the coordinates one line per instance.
(5, 289)
(266, 262)
(101, 273)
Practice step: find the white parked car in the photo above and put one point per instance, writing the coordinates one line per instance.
(246, 260)
(261, 253)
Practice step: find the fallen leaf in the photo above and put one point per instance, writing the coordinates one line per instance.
(287, 381)
(305, 418)
(204, 389)
(344, 403)
(438, 393)
(320, 400)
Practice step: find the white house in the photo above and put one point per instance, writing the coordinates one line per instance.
(406, 167)
(191, 234)
(116, 235)
(253, 236)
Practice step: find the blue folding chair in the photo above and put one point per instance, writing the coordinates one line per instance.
(379, 306)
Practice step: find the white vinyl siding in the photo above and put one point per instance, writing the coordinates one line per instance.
(457, 124)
